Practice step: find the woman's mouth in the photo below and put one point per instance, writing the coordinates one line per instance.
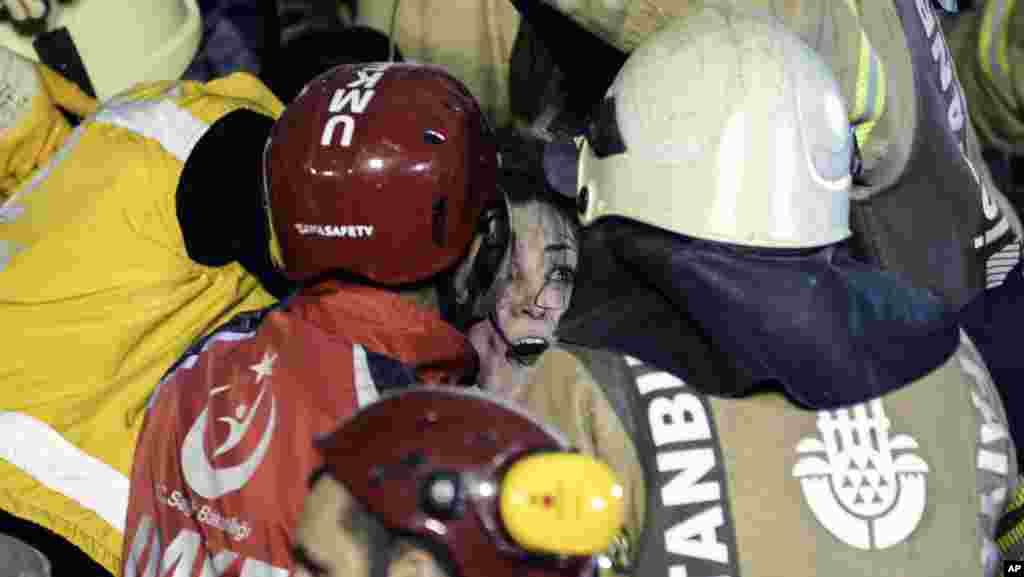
(527, 350)
(523, 351)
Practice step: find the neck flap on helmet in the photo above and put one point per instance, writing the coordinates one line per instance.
(821, 327)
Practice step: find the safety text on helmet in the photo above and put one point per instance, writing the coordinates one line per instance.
(334, 230)
(349, 101)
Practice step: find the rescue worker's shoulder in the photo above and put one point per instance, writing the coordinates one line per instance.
(565, 380)
(939, 447)
(205, 101)
(570, 390)
(249, 91)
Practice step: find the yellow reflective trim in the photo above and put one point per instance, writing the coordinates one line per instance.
(41, 452)
(1003, 49)
(860, 105)
(878, 106)
(993, 41)
(985, 37)
(870, 88)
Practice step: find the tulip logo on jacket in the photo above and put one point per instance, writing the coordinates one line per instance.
(211, 482)
(857, 486)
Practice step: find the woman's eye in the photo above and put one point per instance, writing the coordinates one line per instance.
(564, 275)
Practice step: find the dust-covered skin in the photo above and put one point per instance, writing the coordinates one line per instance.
(532, 292)
(329, 546)
(323, 547)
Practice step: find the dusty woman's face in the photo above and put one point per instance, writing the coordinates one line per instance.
(532, 292)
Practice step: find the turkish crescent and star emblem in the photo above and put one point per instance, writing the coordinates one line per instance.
(212, 482)
(863, 485)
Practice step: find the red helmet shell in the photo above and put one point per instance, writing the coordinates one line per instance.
(381, 170)
(386, 453)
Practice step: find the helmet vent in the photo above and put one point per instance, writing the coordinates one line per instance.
(434, 137)
(440, 220)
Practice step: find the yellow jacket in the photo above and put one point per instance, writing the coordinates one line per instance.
(97, 294)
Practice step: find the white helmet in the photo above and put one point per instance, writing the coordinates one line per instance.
(722, 126)
(122, 42)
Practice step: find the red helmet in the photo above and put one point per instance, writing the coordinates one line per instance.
(381, 170)
(498, 492)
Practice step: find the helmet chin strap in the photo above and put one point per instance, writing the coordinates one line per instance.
(480, 293)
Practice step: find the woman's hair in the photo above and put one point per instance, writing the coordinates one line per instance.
(522, 176)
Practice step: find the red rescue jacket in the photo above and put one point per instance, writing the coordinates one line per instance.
(220, 471)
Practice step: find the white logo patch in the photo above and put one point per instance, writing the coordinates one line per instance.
(861, 484)
(200, 474)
